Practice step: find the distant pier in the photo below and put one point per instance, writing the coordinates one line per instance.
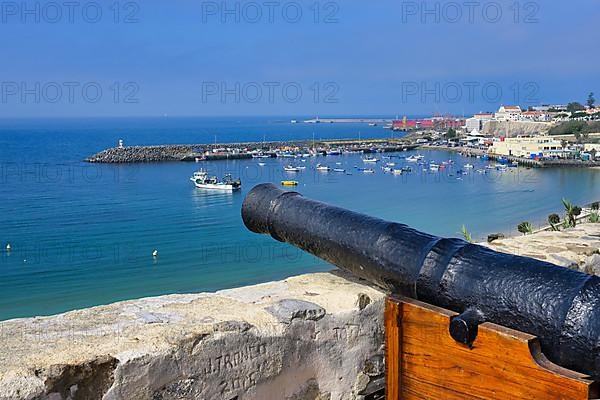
(527, 162)
(238, 151)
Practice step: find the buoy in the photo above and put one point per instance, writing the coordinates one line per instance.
(8, 247)
(155, 253)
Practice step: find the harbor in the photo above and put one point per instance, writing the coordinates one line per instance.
(523, 161)
(122, 154)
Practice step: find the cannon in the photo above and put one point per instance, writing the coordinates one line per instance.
(558, 305)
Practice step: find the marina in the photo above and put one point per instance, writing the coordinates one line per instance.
(242, 151)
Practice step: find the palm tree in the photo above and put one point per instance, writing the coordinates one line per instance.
(525, 228)
(572, 212)
(554, 220)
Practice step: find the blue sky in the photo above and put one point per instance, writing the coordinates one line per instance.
(379, 58)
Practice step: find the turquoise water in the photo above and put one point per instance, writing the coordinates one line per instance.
(83, 235)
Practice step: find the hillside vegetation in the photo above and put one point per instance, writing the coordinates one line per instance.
(575, 127)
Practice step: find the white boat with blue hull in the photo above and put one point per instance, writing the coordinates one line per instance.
(202, 180)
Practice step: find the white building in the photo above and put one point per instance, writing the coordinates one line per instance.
(509, 113)
(528, 147)
(477, 121)
(535, 116)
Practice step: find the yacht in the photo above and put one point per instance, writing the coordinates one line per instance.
(204, 181)
(324, 168)
(290, 168)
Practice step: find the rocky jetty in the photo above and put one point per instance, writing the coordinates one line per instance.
(132, 154)
(209, 152)
(311, 337)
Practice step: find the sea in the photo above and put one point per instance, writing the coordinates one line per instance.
(83, 234)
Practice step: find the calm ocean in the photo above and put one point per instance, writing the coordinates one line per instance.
(83, 235)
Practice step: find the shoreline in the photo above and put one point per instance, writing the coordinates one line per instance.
(528, 162)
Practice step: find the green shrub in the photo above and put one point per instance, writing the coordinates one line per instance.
(525, 228)
(554, 220)
(466, 234)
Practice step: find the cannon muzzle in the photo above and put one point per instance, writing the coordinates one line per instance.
(558, 305)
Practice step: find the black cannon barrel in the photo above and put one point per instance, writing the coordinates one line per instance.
(558, 305)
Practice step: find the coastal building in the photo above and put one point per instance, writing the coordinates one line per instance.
(478, 121)
(529, 147)
(508, 113)
(437, 123)
(592, 148)
(535, 116)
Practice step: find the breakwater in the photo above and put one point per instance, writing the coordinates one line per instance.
(233, 151)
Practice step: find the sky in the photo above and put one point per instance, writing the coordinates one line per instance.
(309, 58)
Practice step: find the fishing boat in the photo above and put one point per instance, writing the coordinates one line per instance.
(323, 168)
(371, 160)
(290, 168)
(289, 183)
(203, 180)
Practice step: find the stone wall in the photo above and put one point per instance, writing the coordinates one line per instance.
(312, 337)
(576, 248)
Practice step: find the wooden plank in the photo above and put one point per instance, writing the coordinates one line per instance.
(503, 364)
(393, 376)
